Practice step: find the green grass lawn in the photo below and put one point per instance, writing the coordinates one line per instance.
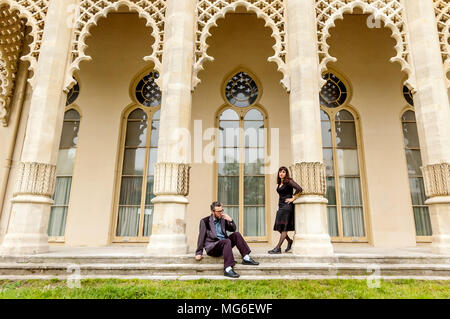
(224, 289)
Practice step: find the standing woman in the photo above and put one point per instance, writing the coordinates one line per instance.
(284, 221)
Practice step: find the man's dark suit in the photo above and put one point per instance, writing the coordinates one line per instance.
(208, 240)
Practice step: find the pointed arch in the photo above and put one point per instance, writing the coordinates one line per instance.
(442, 10)
(272, 12)
(390, 12)
(90, 12)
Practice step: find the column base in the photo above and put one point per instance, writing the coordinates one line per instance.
(440, 223)
(311, 238)
(27, 230)
(169, 227)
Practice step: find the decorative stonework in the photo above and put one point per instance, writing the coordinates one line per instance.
(171, 179)
(90, 12)
(33, 12)
(35, 179)
(437, 179)
(11, 40)
(391, 12)
(271, 11)
(442, 9)
(311, 177)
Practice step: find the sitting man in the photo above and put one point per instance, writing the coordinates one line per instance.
(214, 239)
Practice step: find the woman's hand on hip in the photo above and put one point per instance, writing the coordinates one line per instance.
(289, 200)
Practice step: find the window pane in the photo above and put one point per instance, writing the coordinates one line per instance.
(155, 134)
(136, 133)
(130, 191)
(229, 133)
(228, 190)
(254, 115)
(353, 222)
(254, 221)
(137, 114)
(409, 116)
(333, 229)
(72, 115)
(62, 191)
(345, 135)
(229, 115)
(152, 161)
(344, 116)
(350, 189)
(331, 191)
(134, 160)
(254, 133)
(69, 137)
(254, 187)
(328, 161)
(422, 221)
(411, 135)
(148, 221)
(326, 134)
(233, 212)
(66, 161)
(128, 222)
(417, 188)
(149, 192)
(254, 161)
(414, 162)
(347, 161)
(57, 222)
(228, 161)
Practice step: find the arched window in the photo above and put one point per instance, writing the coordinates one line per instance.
(64, 169)
(416, 184)
(241, 157)
(138, 157)
(341, 153)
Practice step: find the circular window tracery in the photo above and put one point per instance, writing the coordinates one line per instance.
(241, 90)
(334, 93)
(407, 94)
(73, 94)
(148, 92)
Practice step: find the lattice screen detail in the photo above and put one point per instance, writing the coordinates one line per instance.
(90, 11)
(391, 12)
(273, 13)
(14, 15)
(442, 9)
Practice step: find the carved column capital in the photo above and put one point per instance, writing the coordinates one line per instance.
(311, 177)
(437, 179)
(171, 179)
(35, 179)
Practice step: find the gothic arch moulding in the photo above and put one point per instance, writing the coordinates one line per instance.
(442, 9)
(390, 12)
(14, 15)
(89, 12)
(271, 11)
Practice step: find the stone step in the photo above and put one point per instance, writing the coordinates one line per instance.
(262, 258)
(195, 269)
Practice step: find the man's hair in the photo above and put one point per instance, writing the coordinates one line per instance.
(214, 205)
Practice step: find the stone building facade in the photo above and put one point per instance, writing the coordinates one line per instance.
(116, 113)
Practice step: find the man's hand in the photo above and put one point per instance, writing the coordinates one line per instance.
(199, 257)
(227, 218)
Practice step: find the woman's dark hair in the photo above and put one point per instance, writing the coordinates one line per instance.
(287, 178)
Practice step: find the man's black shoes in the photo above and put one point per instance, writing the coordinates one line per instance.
(230, 274)
(250, 262)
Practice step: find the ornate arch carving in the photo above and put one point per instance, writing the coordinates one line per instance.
(89, 12)
(391, 12)
(11, 42)
(442, 9)
(271, 11)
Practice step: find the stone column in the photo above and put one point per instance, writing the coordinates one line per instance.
(27, 229)
(306, 141)
(172, 169)
(433, 117)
